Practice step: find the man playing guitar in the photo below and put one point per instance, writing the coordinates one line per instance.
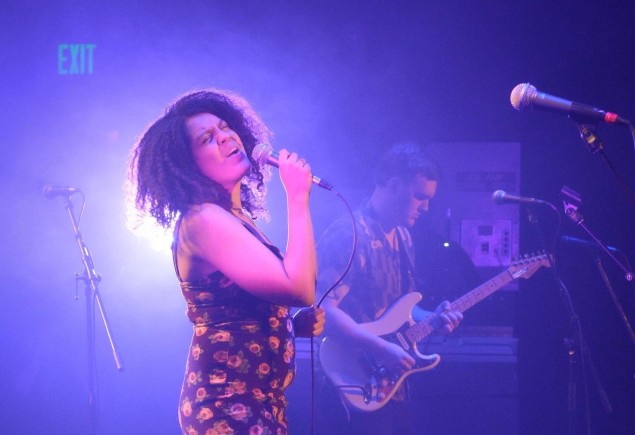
(382, 271)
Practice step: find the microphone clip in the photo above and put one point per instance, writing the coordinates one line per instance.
(571, 200)
(587, 133)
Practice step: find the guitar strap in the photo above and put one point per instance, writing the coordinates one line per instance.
(406, 263)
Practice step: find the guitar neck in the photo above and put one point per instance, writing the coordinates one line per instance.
(419, 331)
(475, 296)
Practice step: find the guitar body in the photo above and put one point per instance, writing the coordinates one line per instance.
(363, 383)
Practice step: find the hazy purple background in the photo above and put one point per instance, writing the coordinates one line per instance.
(336, 81)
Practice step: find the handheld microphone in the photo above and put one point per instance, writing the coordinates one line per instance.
(49, 191)
(525, 95)
(264, 154)
(501, 197)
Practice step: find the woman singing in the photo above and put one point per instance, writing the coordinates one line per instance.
(192, 169)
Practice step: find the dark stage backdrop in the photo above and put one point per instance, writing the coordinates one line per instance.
(337, 82)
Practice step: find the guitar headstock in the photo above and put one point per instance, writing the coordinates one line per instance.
(527, 265)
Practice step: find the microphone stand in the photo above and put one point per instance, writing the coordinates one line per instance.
(576, 217)
(572, 212)
(595, 146)
(574, 344)
(91, 278)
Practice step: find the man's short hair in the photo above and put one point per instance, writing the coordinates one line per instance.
(405, 161)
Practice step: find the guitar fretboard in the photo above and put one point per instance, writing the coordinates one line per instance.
(421, 330)
(472, 298)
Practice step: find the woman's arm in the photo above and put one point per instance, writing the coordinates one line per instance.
(213, 239)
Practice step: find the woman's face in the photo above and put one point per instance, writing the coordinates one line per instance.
(218, 151)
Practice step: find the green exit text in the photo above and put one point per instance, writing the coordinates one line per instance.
(75, 58)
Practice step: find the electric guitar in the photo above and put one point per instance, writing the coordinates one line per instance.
(363, 383)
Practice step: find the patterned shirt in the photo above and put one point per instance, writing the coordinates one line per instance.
(378, 275)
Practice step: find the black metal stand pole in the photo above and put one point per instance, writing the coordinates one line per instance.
(615, 300)
(578, 352)
(91, 279)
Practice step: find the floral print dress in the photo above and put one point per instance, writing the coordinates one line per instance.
(240, 361)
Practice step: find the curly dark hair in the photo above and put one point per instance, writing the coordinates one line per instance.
(406, 160)
(165, 178)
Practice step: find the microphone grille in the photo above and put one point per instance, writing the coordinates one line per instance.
(498, 196)
(47, 191)
(523, 96)
(261, 153)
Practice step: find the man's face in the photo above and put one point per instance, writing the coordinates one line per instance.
(413, 199)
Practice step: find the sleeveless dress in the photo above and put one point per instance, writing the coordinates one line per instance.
(240, 361)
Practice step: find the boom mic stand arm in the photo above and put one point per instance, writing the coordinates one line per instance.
(572, 212)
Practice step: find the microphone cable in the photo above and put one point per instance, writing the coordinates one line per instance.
(326, 293)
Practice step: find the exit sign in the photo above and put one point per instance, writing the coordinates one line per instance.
(75, 58)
